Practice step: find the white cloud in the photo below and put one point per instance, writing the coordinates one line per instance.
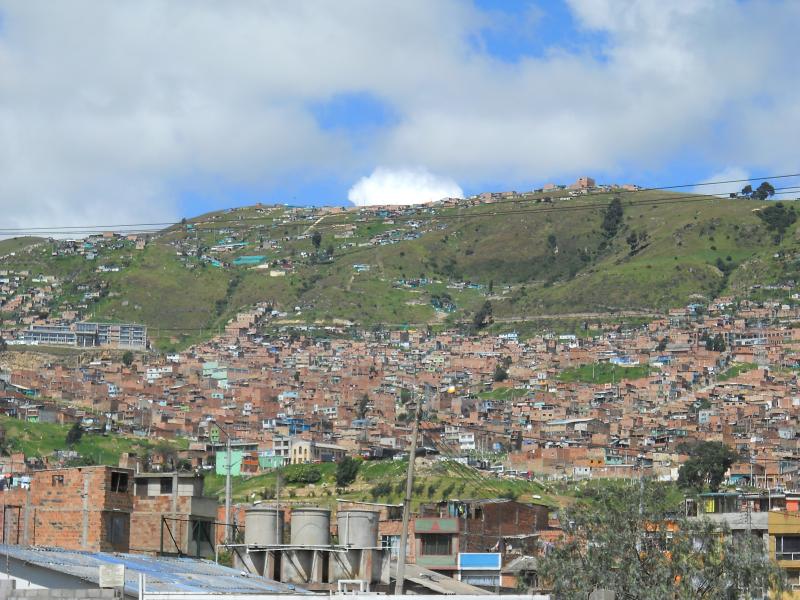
(735, 175)
(402, 186)
(109, 108)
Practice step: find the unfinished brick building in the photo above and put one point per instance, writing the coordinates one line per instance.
(171, 515)
(80, 508)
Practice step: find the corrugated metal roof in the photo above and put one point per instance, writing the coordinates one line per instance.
(163, 574)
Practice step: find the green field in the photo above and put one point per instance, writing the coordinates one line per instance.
(601, 373)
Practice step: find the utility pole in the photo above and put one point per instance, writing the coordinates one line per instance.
(401, 557)
(228, 536)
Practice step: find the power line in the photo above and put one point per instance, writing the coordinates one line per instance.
(537, 209)
(167, 224)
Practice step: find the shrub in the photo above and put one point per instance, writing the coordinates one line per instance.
(301, 474)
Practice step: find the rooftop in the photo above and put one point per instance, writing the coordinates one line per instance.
(163, 574)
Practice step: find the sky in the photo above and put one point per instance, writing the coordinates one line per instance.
(139, 111)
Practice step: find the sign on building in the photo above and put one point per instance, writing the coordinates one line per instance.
(112, 576)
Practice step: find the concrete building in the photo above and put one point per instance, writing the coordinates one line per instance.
(128, 336)
(307, 451)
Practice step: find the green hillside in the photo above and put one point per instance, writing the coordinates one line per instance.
(530, 258)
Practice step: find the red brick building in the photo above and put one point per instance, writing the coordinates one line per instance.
(80, 508)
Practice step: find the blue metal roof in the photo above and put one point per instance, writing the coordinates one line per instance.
(162, 574)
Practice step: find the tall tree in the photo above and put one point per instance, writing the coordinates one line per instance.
(627, 541)
(316, 239)
(362, 406)
(74, 434)
(706, 465)
(764, 191)
(483, 316)
(612, 218)
(347, 471)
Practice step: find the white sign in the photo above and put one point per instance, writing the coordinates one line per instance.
(112, 576)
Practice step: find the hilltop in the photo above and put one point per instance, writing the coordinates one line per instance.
(530, 257)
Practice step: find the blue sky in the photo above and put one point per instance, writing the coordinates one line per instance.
(157, 111)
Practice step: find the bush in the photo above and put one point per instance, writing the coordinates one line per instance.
(347, 471)
(381, 489)
(301, 474)
(432, 489)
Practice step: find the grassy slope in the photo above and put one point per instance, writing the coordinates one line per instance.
(431, 483)
(539, 262)
(42, 439)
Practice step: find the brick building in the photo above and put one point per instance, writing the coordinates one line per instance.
(80, 508)
(171, 515)
(443, 530)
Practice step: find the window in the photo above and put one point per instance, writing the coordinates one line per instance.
(166, 485)
(392, 542)
(436, 544)
(787, 547)
(119, 482)
(58, 480)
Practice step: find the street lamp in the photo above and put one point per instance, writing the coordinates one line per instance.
(228, 467)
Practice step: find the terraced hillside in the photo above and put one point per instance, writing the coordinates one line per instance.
(528, 256)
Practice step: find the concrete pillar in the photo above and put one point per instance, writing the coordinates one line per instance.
(85, 514)
(7, 587)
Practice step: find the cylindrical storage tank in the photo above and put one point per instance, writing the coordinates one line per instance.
(263, 526)
(311, 526)
(358, 528)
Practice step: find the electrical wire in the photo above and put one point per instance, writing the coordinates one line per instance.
(161, 225)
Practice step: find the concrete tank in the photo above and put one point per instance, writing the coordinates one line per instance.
(358, 528)
(263, 526)
(311, 526)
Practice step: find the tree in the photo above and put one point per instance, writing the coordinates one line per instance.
(706, 465)
(778, 217)
(316, 239)
(347, 471)
(405, 396)
(612, 218)
(127, 358)
(483, 316)
(716, 344)
(764, 191)
(329, 250)
(74, 434)
(362, 406)
(500, 373)
(628, 542)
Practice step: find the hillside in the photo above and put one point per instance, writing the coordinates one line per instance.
(432, 264)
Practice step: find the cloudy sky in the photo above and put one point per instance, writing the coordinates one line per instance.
(146, 110)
